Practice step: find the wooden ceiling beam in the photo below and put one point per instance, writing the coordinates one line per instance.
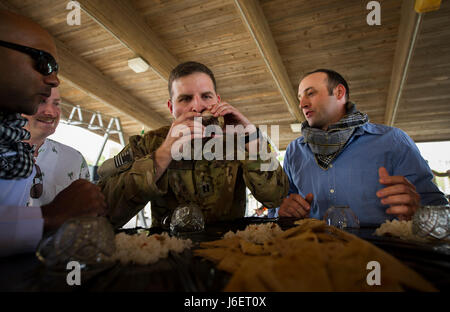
(253, 17)
(407, 34)
(127, 25)
(5, 5)
(90, 80)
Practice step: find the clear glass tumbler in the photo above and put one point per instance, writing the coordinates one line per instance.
(432, 221)
(187, 218)
(88, 240)
(341, 217)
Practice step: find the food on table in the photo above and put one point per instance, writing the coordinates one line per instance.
(309, 257)
(143, 249)
(209, 119)
(257, 233)
(400, 229)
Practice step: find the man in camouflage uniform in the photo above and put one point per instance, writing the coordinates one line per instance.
(145, 171)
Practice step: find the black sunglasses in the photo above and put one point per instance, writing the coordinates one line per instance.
(38, 187)
(45, 62)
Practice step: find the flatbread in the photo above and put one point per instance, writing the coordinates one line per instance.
(309, 257)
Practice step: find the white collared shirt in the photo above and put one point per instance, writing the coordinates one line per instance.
(60, 166)
(21, 227)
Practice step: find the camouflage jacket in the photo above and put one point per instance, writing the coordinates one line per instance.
(217, 186)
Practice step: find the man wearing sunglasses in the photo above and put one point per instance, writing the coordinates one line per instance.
(60, 165)
(28, 73)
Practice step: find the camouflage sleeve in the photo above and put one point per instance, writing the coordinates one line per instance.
(266, 180)
(128, 180)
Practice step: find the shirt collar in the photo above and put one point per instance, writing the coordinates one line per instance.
(371, 129)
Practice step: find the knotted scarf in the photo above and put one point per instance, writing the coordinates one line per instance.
(326, 145)
(16, 157)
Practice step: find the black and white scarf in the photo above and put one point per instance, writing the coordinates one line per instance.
(16, 157)
(326, 145)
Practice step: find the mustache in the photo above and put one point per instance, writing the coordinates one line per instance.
(46, 118)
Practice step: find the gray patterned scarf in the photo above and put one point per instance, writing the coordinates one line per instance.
(16, 157)
(326, 145)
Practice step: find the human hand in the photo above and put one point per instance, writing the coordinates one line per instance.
(81, 198)
(184, 129)
(296, 206)
(231, 115)
(400, 195)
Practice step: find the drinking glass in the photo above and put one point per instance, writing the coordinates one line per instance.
(432, 221)
(341, 217)
(88, 240)
(187, 218)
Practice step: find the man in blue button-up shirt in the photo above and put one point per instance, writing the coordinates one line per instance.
(342, 159)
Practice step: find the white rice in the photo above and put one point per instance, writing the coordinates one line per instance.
(401, 229)
(143, 249)
(257, 233)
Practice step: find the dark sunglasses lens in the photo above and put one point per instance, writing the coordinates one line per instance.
(46, 64)
(36, 190)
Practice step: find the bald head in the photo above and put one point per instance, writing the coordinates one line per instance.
(22, 87)
(21, 30)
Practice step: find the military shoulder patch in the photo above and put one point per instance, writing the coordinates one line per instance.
(123, 158)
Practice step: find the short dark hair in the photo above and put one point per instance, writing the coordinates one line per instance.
(188, 68)
(334, 79)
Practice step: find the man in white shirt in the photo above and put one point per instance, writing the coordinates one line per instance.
(60, 165)
(29, 72)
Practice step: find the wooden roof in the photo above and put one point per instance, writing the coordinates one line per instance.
(258, 51)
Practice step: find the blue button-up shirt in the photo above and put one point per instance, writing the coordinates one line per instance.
(352, 178)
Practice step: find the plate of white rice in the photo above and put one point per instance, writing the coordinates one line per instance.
(144, 250)
(257, 233)
(400, 229)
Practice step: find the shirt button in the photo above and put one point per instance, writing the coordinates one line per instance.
(332, 191)
(331, 166)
